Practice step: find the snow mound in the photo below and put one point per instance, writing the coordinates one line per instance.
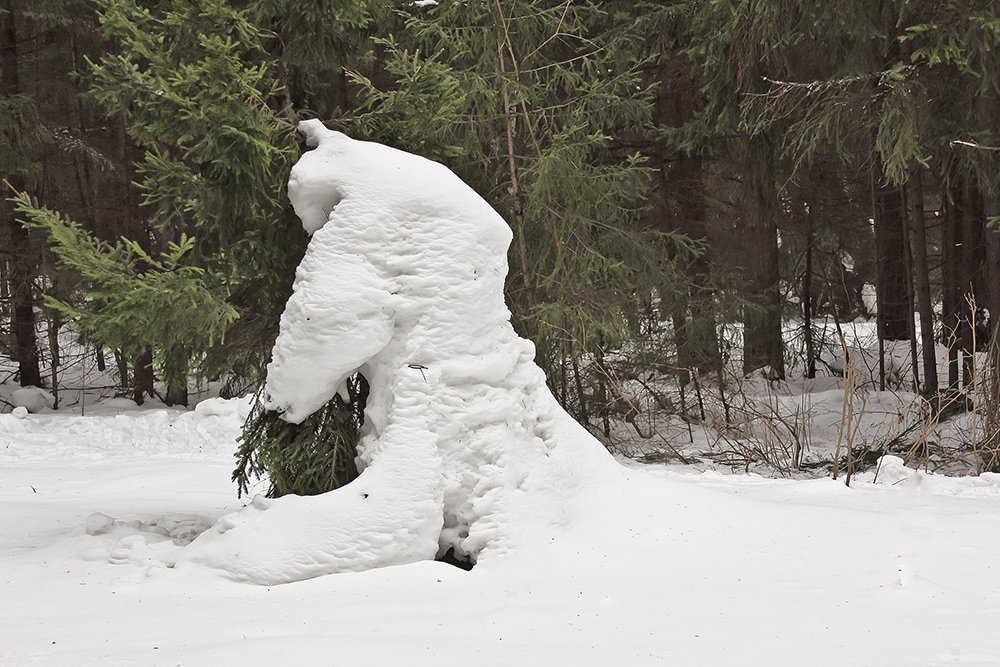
(464, 447)
(110, 428)
(891, 470)
(222, 407)
(12, 423)
(32, 399)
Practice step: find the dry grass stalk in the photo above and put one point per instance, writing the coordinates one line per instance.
(987, 411)
(850, 418)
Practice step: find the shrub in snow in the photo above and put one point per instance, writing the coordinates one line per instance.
(463, 447)
(311, 457)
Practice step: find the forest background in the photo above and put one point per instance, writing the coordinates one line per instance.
(698, 190)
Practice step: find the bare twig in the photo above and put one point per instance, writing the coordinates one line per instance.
(972, 144)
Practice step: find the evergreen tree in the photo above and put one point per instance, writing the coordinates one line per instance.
(728, 59)
(530, 102)
(894, 87)
(206, 94)
(192, 85)
(136, 301)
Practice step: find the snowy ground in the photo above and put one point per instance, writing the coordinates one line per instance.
(679, 566)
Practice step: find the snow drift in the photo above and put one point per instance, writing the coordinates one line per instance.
(464, 447)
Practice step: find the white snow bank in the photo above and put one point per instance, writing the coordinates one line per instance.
(464, 447)
(136, 433)
(674, 566)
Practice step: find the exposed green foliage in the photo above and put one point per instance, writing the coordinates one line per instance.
(15, 155)
(305, 459)
(135, 300)
(194, 88)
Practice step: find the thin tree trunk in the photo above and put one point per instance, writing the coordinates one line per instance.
(807, 294)
(922, 282)
(950, 281)
(503, 45)
(584, 417)
(54, 324)
(143, 378)
(971, 222)
(684, 362)
(911, 334)
(807, 314)
(121, 363)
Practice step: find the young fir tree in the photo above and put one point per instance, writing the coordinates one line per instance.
(204, 92)
(257, 70)
(58, 148)
(135, 300)
(191, 84)
(195, 88)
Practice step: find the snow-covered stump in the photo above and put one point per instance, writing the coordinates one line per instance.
(463, 446)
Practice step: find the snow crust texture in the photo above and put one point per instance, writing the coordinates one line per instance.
(464, 447)
(673, 565)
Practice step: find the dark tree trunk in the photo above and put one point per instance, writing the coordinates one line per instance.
(143, 378)
(807, 307)
(176, 377)
(679, 206)
(702, 345)
(177, 394)
(22, 265)
(910, 308)
(762, 344)
(25, 344)
(991, 264)
(694, 323)
(894, 315)
(54, 323)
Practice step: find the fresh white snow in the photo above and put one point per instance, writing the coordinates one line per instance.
(674, 565)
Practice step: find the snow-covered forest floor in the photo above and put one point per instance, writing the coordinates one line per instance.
(842, 420)
(692, 565)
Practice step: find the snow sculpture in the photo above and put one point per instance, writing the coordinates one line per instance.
(463, 447)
